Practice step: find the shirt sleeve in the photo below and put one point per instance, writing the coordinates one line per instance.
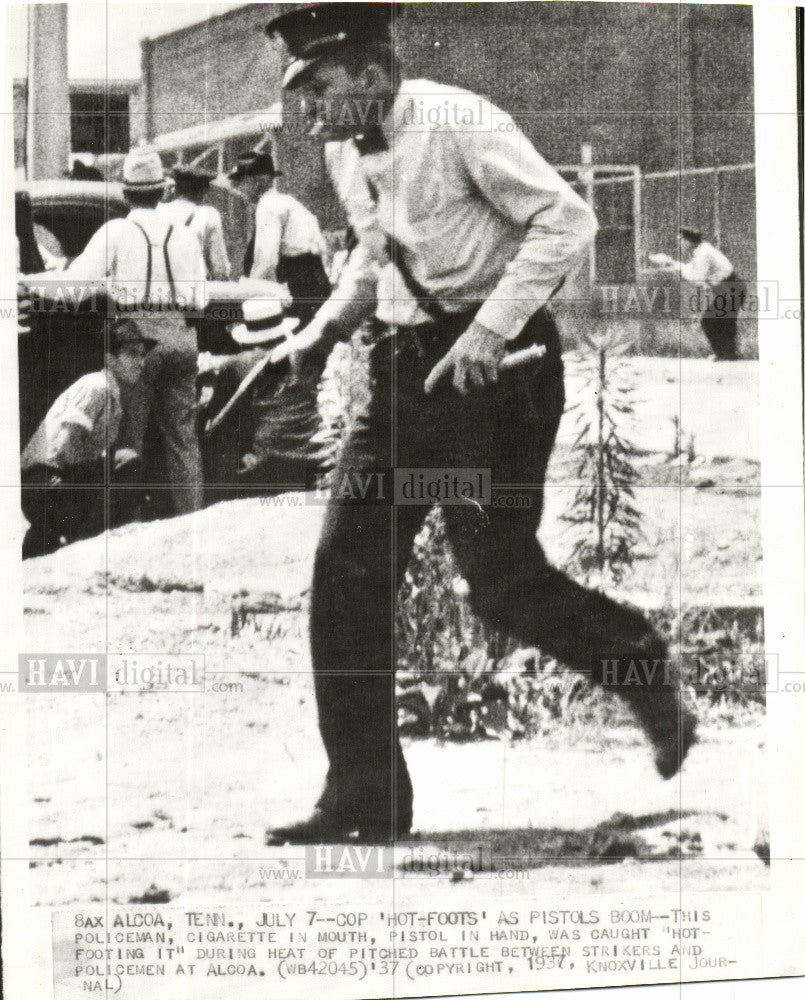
(98, 259)
(84, 407)
(354, 299)
(692, 272)
(215, 245)
(86, 402)
(697, 269)
(268, 224)
(558, 225)
(708, 266)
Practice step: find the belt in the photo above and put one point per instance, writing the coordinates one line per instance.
(438, 336)
(427, 334)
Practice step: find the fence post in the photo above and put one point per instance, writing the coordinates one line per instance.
(637, 220)
(717, 207)
(587, 178)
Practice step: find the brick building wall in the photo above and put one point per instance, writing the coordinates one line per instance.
(644, 83)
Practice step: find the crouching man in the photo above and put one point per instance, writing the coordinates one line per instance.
(72, 457)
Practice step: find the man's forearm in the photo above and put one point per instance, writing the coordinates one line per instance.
(353, 300)
(551, 250)
(218, 262)
(337, 319)
(68, 439)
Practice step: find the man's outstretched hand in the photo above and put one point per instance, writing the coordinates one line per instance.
(474, 360)
(23, 308)
(298, 347)
(125, 457)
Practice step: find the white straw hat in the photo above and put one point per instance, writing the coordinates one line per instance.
(142, 170)
(264, 320)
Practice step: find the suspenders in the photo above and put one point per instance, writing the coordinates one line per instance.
(149, 265)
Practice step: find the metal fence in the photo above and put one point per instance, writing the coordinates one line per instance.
(639, 214)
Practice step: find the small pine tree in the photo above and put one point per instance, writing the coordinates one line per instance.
(604, 519)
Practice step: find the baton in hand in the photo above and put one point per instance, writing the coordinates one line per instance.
(534, 353)
(236, 395)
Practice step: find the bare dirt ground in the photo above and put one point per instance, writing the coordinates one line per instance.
(166, 796)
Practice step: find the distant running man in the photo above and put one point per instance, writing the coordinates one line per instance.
(710, 270)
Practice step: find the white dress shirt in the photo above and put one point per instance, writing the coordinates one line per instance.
(479, 213)
(80, 425)
(204, 221)
(707, 266)
(118, 251)
(283, 227)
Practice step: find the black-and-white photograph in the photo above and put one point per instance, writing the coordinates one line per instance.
(393, 464)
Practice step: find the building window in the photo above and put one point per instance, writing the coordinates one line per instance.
(99, 124)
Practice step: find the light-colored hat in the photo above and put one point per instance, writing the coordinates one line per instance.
(264, 321)
(142, 170)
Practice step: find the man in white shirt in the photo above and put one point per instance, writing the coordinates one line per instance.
(288, 245)
(464, 234)
(710, 270)
(187, 208)
(71, 446)
(155, 272)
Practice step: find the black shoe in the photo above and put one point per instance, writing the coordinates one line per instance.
(325, 828)
(670, 726)
(663, 710)
(671, 745)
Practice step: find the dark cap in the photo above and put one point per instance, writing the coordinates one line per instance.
(254, 164)
(127, 331)
(318, 30)
(191, 177)
(694, 235)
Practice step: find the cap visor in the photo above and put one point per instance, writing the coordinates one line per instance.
(147, 342)
(237, 175)
(297, 72)
(149, 186)
(200, 177)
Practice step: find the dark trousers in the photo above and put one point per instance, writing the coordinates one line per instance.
(89, 499)
(307, 282)
(364, 549)
(720, 319)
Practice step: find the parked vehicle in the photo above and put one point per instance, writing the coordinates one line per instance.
(55, 219)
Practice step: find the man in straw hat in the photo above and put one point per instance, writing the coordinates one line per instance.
(288, 246)
(262, 418)
(464, 235)
(156, 272)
